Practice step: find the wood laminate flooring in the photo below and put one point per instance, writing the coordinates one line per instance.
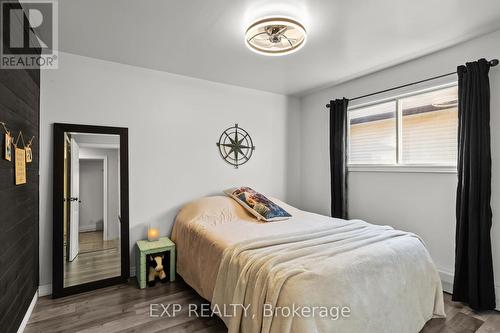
(125, 308)
(92, 241)
(97, 259)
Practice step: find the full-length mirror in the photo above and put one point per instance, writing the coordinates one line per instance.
(90, 207)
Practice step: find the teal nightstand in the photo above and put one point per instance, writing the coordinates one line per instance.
(145, 247)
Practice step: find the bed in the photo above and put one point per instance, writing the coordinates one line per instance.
(384, 277)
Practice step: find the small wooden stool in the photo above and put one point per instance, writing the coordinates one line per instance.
(145, 247)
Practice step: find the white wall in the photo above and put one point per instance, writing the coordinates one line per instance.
(174, 123)
(113, 208)
(420, 202)
(91, 194)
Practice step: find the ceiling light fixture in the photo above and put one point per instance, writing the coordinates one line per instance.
(275, 36)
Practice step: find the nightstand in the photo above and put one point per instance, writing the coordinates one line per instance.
(145, 247)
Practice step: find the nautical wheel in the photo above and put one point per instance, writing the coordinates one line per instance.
(235, 146)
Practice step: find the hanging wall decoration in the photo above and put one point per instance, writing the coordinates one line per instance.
(20, 166)
(29, 155)
(21, 155)
(7, 143)
(29, 152)
(8, 147)
(20, 160)
(235, 146)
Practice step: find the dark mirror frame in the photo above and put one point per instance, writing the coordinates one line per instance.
(58, 289)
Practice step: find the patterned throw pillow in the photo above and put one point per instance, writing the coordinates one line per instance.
(258, 204)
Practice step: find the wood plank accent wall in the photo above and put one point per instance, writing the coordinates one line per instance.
(20, 109)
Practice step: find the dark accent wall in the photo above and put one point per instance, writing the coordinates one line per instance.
(20, 109)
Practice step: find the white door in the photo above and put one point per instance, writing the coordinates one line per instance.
(74, 200)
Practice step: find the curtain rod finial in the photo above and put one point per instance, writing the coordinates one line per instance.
(493, 62)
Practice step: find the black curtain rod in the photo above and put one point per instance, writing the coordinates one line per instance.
(492, 63)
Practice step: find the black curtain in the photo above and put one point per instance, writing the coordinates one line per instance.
(338, 157)
(474, 283)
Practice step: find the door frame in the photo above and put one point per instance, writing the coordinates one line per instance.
(73, 239)
(104, 159)
(58, 289)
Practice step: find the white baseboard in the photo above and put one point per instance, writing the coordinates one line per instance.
(28, 314)
(447, 281)
(45, 290)
(87, 228)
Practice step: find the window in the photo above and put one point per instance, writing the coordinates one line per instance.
(373, 134)
(412, 130)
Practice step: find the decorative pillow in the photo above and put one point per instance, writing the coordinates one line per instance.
(258, 204)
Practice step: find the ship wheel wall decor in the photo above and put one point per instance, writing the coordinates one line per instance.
(235, 146)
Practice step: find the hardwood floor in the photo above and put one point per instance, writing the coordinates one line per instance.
(462, 319)
(92, 241)
(125, 308)
(96, 260)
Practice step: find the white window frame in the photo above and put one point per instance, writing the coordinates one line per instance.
(398, 167)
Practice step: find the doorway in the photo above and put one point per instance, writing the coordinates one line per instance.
(94, 234)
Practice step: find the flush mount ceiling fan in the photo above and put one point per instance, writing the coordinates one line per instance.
(275, 36)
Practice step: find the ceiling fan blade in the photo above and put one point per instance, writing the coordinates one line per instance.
(282, 30)
(291, 44)
(260, 33)
(290, 39)
(261, 37)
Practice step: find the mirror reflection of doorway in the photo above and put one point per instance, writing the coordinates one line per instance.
(91, 210)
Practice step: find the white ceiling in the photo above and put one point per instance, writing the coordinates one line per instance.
(204, 38)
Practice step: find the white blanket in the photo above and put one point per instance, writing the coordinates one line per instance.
(384, 277)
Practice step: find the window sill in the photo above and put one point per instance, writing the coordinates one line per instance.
(402, 168)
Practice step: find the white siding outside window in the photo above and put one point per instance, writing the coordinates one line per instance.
(430, 125)
(373, 134)
(406, 133)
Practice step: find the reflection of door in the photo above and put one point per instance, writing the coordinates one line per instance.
(74, 200)
(66, 191)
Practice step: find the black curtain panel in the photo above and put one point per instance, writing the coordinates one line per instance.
(338, 157)
(474, 283)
